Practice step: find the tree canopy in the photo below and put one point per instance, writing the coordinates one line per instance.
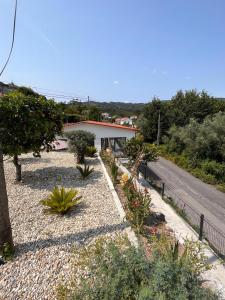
(182, 107)
(79, 140)
(29, 123)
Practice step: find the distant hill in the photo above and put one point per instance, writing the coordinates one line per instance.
(119, 108)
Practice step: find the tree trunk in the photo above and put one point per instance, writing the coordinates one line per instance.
(80, 158)
(5, 226)
(18, 168)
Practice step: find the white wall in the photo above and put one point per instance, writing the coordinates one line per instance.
(101, 132)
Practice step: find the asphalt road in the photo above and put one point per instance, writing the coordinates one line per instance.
(203, 197)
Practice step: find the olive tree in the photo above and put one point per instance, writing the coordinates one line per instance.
(138, 151)
(29, 123)
(79, 140)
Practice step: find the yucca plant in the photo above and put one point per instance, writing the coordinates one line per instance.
(85, 171)
(60, 201)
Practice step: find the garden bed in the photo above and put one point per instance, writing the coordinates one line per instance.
(44, 242)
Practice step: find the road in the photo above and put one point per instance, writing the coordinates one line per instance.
(203, 197)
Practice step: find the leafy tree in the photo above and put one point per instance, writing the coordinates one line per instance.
(200, 141)
(182, 107)
(79, 140)
(148, 121)
(135, 146)
(138, 151)
(30, 122)
(191, 104)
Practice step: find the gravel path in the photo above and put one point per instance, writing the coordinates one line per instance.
(44, 242)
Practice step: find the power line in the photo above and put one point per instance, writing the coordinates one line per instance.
(13, 38)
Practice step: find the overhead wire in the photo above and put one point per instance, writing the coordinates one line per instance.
(13, 38)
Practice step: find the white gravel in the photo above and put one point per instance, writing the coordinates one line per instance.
(44, 242)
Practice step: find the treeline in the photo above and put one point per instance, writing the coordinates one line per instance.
(192, 131)
(75, 111)
(178, 111)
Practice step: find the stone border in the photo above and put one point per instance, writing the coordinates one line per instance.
(129, 231)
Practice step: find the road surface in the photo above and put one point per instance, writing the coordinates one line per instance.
(203, 197)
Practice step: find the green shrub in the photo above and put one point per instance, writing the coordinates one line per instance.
(90, 151)
(85, 171)
(7, 252)
(114, 270)
(79, 140)
(114, 171)
(211, 167)
(137, 204)
(61, 201)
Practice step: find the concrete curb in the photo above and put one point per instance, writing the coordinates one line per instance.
(129, 231)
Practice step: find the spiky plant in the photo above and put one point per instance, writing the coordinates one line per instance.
(85, 171)
(60, 201)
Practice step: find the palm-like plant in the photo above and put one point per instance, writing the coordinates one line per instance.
(60, 201)
(85, 171)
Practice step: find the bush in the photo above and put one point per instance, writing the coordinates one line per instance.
(215, 169)
(79, 140)
(90, 151)
(114, 270)
(61, 201)
(137, 204)
(85, 171)
(114, 171)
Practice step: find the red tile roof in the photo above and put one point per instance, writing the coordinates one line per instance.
(101, 124)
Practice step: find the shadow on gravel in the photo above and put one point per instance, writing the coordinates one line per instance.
(69, 239)
(47, 178)
(33, 160)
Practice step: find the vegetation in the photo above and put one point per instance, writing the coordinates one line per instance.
(114, 171)
(90, 151)
(7, 252)
(182, 107)
(199, 148)
(136, 146)
(28, 122)
(85, 171)
(79, 140)
(115, 270)
(137, 204)
(61, 201)
(76, 111)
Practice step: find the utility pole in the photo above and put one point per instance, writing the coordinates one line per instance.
(158, 133)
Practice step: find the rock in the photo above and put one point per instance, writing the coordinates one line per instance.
(160, 217)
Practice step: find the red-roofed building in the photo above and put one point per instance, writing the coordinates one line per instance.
(106, 134)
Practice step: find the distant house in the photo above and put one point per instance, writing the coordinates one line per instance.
(124, 121)
(106, 116)
(107, 134)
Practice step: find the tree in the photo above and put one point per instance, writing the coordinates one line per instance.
(138, 151)
(30, 123)
(79, 140)
(148, 121)
(191, 104)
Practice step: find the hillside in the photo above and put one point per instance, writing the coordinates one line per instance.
(119, 108)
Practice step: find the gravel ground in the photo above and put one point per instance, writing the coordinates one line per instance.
(44, 242)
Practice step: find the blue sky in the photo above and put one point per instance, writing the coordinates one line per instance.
(128, 50)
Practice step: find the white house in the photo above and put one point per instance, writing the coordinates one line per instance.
(106, 134)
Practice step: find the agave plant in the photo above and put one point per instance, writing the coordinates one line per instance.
(60, 201)
(85, 171)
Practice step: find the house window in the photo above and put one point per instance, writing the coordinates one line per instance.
(116, 144)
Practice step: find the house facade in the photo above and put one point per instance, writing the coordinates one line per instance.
(106, 134)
